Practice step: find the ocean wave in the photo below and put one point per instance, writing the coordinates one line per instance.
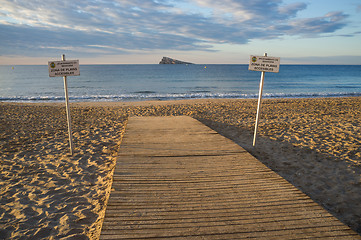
(169, 96)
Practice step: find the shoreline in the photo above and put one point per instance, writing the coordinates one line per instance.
(314, 143)
(158, 100)
(170, 102)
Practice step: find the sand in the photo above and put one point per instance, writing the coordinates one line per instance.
(45, 193)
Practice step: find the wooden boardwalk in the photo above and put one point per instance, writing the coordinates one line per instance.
(177, 179)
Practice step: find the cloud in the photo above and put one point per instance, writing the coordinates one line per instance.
(253, 11)
(291, 10)
(313, 26)
(124, 26)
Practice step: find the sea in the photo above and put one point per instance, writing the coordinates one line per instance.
(26, 83)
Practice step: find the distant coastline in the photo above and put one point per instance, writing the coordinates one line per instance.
(168, 60)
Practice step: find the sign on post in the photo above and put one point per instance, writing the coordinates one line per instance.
(262, 64)
(63, 69)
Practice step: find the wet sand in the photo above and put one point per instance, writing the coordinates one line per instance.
(313, 143)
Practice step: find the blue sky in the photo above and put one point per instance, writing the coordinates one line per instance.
(199, 31)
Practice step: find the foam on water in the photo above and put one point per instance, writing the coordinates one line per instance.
(145, 97)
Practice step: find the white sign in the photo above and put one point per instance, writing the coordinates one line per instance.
(64, 68)
(264, 64)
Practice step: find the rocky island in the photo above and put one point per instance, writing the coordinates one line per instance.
(167, 60)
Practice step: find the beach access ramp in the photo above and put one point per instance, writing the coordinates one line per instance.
(175, 178)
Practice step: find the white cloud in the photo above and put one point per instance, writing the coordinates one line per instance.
(325, 24)
(292, 9)
(134, 25)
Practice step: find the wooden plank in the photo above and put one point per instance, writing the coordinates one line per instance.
(176, 178)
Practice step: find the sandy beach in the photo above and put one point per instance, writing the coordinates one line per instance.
(45, 193)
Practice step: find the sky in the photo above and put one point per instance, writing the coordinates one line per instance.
(198, 31)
